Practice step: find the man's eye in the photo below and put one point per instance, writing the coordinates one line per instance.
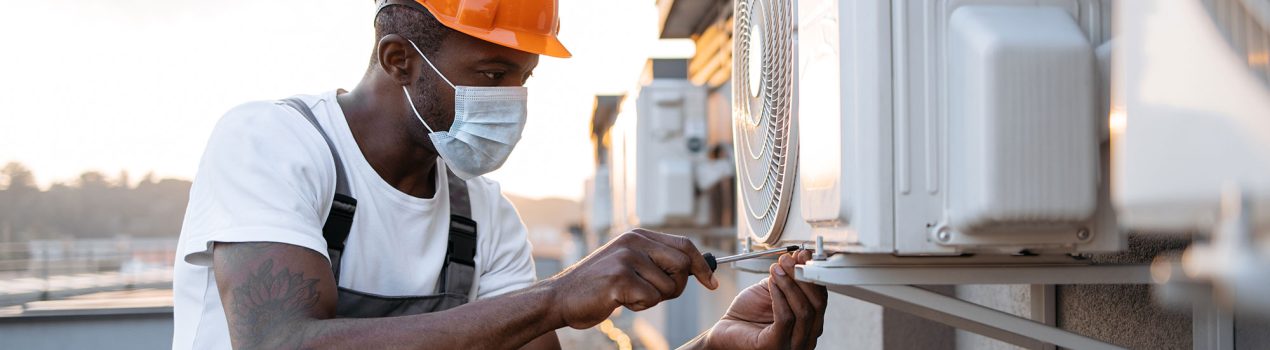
(493, 75)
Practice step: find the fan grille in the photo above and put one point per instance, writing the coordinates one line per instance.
(762, 123)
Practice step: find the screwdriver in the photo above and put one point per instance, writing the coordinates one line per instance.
(714, 262)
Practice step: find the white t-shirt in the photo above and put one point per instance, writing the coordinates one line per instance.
(267, 175)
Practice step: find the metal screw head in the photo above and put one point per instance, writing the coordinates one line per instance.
(1083, 234)
(943, 235)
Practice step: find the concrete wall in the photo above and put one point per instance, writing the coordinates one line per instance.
(902, 330)
(1014, 299)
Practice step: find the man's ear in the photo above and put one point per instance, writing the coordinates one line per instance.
(397, 58)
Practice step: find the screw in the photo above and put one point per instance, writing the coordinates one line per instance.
(820, 249)
(1083, 234)
(943, 235)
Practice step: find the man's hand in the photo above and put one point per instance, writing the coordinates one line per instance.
(776, 313)
(637, 270)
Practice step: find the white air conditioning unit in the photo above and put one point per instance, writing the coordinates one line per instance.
(657, 145)
(1191, 111)
(1190, 130)
(921, 127)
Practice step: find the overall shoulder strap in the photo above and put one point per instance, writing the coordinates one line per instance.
(340, 220)
(459, 272)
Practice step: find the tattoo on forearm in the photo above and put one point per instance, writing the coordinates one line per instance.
(267, 300)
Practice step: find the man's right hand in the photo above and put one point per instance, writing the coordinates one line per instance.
(637, 270)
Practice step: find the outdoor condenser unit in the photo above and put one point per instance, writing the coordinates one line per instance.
(1190, 130)
(658, 155)
(921, 127)
(1194, 117)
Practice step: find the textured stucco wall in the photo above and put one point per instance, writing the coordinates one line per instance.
(1126, 315)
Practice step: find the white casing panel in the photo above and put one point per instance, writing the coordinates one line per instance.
(844, 173)
(1024, 142)
(1194, 120)
(924, 154)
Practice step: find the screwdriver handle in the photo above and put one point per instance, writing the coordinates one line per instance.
(710, 260)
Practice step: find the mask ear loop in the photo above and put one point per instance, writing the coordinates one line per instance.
(411, 102)
(407, 92)
(429, 62)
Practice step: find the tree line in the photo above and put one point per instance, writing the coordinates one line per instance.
(93, 205)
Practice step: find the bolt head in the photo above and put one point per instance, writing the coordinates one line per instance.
(1083, 234)
(943, 235)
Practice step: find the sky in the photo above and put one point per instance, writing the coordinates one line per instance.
(137, 85)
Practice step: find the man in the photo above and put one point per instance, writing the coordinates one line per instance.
(327, 221)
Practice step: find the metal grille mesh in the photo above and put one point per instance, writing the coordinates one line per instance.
(763, 129)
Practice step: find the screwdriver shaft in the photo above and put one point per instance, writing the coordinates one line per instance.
(714, 262)
(751, 255)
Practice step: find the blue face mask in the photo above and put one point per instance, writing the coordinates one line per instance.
(488, 121)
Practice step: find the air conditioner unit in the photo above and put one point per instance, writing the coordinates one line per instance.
(1192, 111)
(1190, 130)
(921, 127)
(657, 148)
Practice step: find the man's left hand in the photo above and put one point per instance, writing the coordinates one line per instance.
(777, 313)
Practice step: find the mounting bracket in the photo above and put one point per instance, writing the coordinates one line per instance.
(887, 280)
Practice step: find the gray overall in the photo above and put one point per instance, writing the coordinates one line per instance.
(457, 274)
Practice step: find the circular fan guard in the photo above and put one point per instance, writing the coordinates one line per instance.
(763, 128)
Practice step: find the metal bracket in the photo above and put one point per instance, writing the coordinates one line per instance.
(969, 316)
(840, 270)
(887, 283)
(1212, 327)
(1043, 309)
(896, 275)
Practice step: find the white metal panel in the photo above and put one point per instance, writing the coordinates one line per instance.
(665, 112)
(1192, 119)
(1023, 143)
(622, 153)
(819, 104)
(675, 177)
(921, 67)
(843, 94)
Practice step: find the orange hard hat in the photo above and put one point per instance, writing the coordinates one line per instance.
(526, 25)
